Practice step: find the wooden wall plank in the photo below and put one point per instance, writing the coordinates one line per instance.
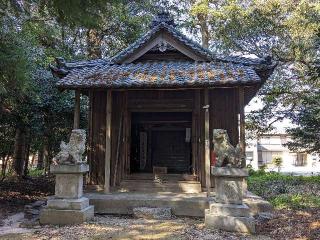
(201, 143)
(242, 124)
(107, 164)
(96, 154)
(207, 140)
(117, 101)
(224, 112)
(76, 116)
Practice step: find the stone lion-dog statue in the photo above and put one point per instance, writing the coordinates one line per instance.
(71, 153)
(226, 154)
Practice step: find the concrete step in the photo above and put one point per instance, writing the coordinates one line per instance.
(158, 213)
(153, 186)
(181, 204)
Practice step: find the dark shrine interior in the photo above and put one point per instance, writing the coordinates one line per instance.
(161, 139)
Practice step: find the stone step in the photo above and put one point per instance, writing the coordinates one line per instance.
(152, 213)
(181, 204)
(161, 186)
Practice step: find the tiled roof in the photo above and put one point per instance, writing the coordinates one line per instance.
(175, 33)
(218, 70)
(160, 74)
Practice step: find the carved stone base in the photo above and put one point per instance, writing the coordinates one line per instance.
(228, 212)
(67, 206)
(229, 184)
(69, 180)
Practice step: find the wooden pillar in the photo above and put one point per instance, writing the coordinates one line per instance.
(242, 125)
(207, 141)
(76, 116)
(108, 143)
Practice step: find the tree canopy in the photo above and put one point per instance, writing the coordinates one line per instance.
(287, 31)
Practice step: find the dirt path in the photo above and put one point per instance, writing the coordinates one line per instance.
(113, 227)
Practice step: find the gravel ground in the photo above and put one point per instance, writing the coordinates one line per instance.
(114, 227)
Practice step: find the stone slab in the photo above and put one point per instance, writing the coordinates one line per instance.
(154, 186)
(234, 210)
(258, 205)
(66, 217)
(69, 168)
(229, 223)
(68, 204)
(152, 213)
(69, 186)
(229, 172)
(181, 204)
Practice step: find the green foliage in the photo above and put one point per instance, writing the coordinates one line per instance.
(32, 35)
(285, 191)
(295, 201)
(306, 136)
(36, 172)
(287, 31)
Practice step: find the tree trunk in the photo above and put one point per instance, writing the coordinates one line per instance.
(204, 26)
(19, 154)
(40, 159)
(33, 159)
(45, 158)
(26, 162)
(94, 44)
(4, 166)
(204, 29)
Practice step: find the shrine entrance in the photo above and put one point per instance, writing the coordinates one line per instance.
(161, 140)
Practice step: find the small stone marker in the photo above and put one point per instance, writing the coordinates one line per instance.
(152, 213)
(228, 212)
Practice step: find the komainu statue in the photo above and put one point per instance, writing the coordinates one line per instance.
(71, 153)
(226, 154)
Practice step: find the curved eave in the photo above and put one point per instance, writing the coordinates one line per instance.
(265, 71)
(163, 86)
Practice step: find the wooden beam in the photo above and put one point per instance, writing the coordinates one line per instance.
(76, 116)
(207, 141)
(90, 133)
(242, 125)
(108, 143)
(195, 133)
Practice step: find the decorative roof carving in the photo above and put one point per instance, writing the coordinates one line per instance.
(162, 17)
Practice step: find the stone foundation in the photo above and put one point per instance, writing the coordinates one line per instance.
(66, 217)
(68, 206)
(228, 212)
(230, 223)
(152, 213)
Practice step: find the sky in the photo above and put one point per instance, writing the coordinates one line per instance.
(256, 104)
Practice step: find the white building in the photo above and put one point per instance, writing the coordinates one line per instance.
(263, 150)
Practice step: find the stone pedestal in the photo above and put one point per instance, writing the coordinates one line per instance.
(67, 206)
(228, 212)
